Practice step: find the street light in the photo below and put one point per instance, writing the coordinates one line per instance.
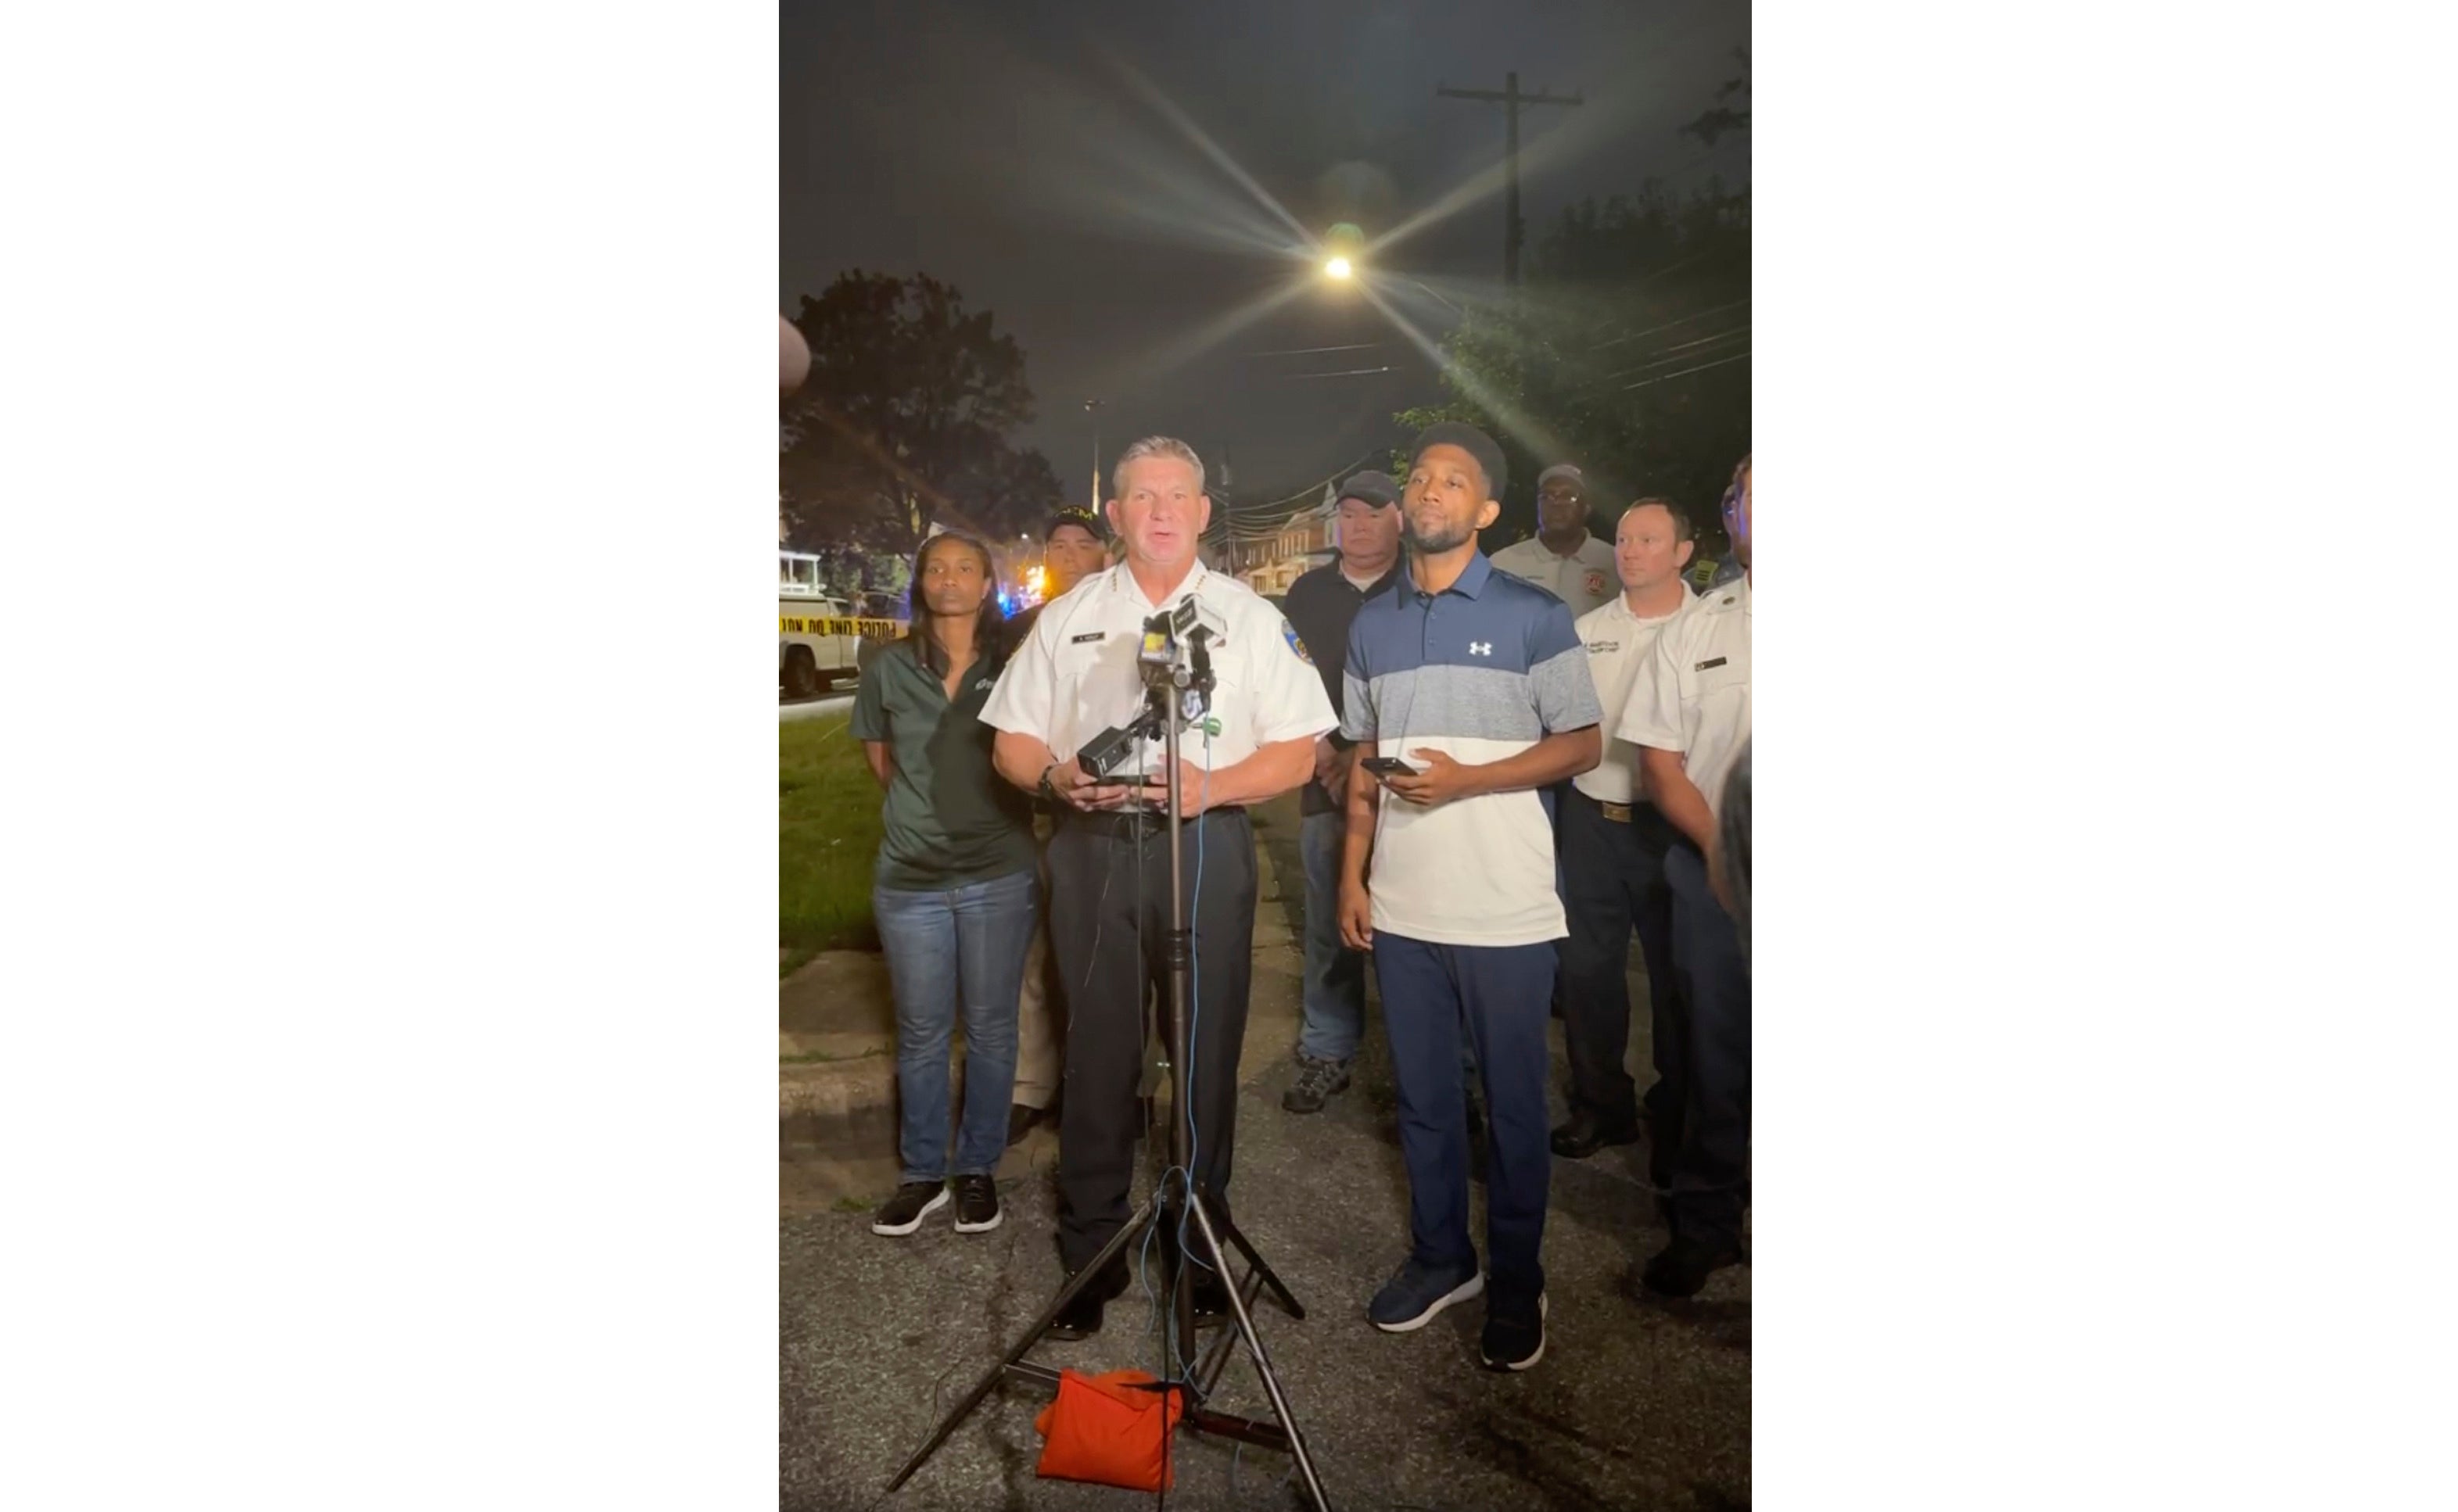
(1339, 268)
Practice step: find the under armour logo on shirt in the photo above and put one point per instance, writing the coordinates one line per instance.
(1480, 648)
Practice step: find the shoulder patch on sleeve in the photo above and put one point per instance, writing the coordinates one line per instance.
(1289, 633)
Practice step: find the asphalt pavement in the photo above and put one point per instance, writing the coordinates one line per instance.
(1638, 1402)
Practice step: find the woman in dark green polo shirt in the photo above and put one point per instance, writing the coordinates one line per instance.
(955, 884)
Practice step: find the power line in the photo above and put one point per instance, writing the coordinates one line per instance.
(1223, 519)
(1309, 351)
(1662, 358)
(1353, 372)
(1669, 325)
(1315, 490)
(1739, 357)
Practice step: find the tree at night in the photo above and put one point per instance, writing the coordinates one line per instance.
(904, 419)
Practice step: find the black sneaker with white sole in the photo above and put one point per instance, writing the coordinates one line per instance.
(1514, 1333)
(913, 1201)
(1410, 1300)
(977, 1205)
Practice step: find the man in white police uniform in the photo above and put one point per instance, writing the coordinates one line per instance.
(1612, 847)
(1565, 560)
(1562, 557)
(1689, 714)
(1074, 677)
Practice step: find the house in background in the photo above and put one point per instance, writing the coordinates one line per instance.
(1268, 556)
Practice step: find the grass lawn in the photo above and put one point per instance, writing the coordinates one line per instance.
(827, 834)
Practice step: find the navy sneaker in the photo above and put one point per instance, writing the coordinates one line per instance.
(1514, 1333)
(1410, 1300)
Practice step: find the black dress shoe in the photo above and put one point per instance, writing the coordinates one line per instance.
(1682, 1268)
(1586, 1133)
(1020, 1120)
(1081, 1317)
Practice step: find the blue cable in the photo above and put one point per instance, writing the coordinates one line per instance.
(1186, 1073)
(1194, 1000)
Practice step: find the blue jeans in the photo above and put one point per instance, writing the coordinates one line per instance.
(1335, 975)
(1498, 991)
(961, 947)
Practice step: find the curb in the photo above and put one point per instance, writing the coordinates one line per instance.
(860, 1084)
(836, 1089)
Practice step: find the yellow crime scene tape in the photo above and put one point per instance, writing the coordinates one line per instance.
(836, 625)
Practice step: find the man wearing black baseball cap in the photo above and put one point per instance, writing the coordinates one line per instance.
(1563, 557)
(1320, 606)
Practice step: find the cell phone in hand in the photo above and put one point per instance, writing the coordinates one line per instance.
(1389, 767)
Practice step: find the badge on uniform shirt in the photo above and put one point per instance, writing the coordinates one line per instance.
(1595, 585)
(1087, 637)
(1712, 661)
(1603, 648)
(1289, 633)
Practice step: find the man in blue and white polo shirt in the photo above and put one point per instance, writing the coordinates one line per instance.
(1480, 684)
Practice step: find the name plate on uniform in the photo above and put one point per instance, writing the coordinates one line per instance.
(1618, 813)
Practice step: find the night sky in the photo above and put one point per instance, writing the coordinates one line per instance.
(1005, 149)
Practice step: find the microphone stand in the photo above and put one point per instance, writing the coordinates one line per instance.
(1175, 695)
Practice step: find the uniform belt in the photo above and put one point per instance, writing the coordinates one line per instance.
(1634, 812)
(1127, 826)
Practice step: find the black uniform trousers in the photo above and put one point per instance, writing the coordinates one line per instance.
(1109, 921)
(1613, 883)
(1711, 1171)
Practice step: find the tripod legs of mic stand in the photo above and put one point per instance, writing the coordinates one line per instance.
(1246, 1321)
(1012, 1360)
(1281, 1435)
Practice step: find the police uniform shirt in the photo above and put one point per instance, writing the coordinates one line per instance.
(1693, 696)
(1584, 580)
(1620, 643)
(1075, 675)
(1480, 671)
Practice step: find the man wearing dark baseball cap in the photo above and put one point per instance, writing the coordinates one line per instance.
(1321, 605)
(1563, 557)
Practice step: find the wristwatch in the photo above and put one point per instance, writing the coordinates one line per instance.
(1047, 791)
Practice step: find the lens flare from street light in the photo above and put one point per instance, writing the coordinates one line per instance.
(1337, 268)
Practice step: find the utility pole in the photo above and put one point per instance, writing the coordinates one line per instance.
(1089, 405)
(1511, 99)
